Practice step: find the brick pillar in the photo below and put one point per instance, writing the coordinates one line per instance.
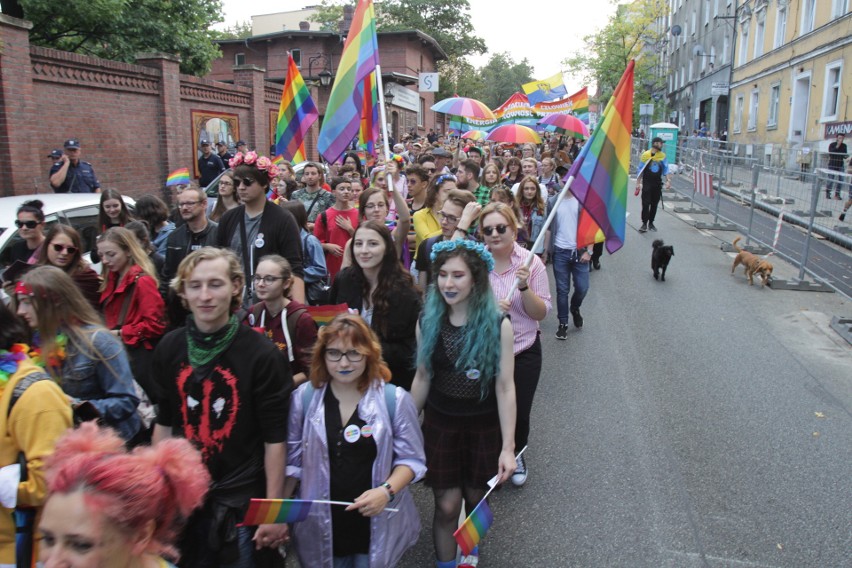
(257, 136)
(173, 150)
(23, 169)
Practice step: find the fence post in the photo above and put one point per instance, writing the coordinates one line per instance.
(807, 249)
(755, 173)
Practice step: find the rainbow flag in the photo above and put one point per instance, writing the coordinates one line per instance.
(324, 314)
(296, 113)
(178, 177)
(278, 160)
(346, 103)
(276, 511)
(474, 527)
(369, 130)
(601, 170)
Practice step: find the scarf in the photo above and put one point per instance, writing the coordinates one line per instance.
(205, 349)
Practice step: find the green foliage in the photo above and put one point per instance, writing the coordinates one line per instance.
(458, 77)
(240, 30)
(329, 15)
(501, 77)
(448, 21)
(633, 32)
(119, 29)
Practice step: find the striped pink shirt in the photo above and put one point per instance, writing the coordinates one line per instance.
(525, 328)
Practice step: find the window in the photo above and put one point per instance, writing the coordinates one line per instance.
(780, 27)
(421, 111)
(738, 114)
(297, 57)
(726, 45)
(692, 23)
(712, 56)
(743, 46)
(808, 15)
(759, 33)
(689, 77)
(774, 102)
(706, 9)
(831, 97)
(752, 110)
(839, 8)
(716, 7)
(240, 59)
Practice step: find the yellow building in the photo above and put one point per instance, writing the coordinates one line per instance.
(791, 82)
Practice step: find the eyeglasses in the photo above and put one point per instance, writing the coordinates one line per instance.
(188, 204)
(430, 170)
(375, 206)
(444, 177)
(268, 280)
(59, 248)
(27, 224)
(335, 355)
(245, 181)
(452, 219)
(501, 230)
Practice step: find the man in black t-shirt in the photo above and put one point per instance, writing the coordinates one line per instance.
(837, 155)
(209, 165)
(225, 388)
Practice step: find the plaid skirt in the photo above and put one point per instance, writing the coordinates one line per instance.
(461, 451)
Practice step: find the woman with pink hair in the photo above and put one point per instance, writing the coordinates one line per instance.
(108, 507)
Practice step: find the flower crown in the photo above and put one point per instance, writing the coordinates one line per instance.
(478, 248)
(261, 163)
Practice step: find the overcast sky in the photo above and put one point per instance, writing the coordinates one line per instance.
(543, 31)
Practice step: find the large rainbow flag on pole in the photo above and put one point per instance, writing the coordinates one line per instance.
(296, 113)
(601, 170)
(346, 103)
(369, 130)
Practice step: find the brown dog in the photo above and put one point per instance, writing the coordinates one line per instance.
(752, 264)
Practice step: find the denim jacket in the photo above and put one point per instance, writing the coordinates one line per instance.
(100, 374)
(313, 258)
(391, 534)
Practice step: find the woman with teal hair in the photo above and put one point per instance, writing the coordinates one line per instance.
(465, 381)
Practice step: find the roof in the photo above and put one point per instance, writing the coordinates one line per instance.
(426, 39)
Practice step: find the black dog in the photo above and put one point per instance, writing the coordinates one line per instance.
(660, 259)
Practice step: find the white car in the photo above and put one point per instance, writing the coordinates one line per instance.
(80, 210)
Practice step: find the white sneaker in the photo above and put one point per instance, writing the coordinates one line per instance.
(469, 561)
(520, 475)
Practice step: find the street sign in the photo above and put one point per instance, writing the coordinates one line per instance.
(428, 83)
(646, 110)
(720, 89)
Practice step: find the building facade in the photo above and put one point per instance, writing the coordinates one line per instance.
(791, 82)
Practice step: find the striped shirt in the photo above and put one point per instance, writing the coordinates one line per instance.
(524, 327)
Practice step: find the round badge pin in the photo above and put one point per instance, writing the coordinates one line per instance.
(259, 242)
(352, 433)
(472, 374)
(366, 430)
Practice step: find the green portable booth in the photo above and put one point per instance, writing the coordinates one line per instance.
(668, 132)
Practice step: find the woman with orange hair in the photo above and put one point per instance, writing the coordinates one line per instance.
(353, 437)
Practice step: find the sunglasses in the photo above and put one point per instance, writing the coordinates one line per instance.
(501, 230)
(59, 248)
(244, 181)
(27, 224)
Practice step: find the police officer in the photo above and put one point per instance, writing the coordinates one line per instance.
(209, 164)
(71, 174)
(242, 147)
(224, 155)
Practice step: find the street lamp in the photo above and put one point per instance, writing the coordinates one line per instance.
(389, 96)
(324, 63)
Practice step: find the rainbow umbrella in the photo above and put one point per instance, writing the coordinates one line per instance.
(475, 135)
(572, 125)
(514, 134)
(463, 106)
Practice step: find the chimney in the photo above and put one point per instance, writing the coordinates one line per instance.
(346, 22)
(304, 26)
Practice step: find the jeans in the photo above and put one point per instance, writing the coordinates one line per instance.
(354, 561)
(836, 180)
(566, 264)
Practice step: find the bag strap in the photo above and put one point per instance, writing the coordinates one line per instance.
(306, 397)
(125, 304)
(246, 264)
(314, 202)
(293, 319)
(23, 385)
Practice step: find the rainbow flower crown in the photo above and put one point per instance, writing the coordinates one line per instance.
(251, 159)
(478, 248)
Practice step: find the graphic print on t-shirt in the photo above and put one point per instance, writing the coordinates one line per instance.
(209, 408)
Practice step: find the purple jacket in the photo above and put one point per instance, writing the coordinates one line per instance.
(391, 534)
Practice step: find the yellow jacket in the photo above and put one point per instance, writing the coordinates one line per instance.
(40, 416)
(425, 226)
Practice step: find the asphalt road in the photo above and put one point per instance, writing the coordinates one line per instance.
(698, 422)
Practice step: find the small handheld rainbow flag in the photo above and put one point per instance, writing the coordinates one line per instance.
(278, 160)
(272, 511)
(474, 527)
(178, 177)
(324, 314)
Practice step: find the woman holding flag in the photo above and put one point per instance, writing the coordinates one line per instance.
(464, 381)
(353, 437)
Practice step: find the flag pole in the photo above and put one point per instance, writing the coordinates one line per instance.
(385, 143)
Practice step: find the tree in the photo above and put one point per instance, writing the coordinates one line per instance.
(119, 29)
(459, 77)
(633, 32)
(240, 30)
(502, 77)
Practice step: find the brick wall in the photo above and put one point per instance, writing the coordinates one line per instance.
(133, 121)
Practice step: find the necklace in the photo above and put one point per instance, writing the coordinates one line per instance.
(9, 361)
(54, 358)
